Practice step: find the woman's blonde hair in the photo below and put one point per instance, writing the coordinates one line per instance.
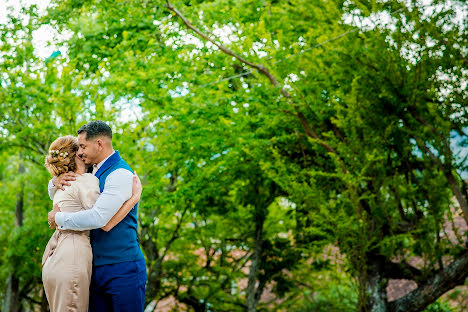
(61, 156)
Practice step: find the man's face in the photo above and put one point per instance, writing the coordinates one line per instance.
(89, 149)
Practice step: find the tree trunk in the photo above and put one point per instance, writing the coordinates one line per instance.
(375, 286)
(20, 197)
(252, 300)
(11, 302)
(154, 282)
(153, 259)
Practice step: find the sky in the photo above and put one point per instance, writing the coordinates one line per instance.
(44, 37)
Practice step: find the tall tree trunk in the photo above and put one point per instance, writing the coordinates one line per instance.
(20, 197)
(376, 286)
(154, 257)
(153, 260)
(11, 302)
(154, 271)
(252, 300)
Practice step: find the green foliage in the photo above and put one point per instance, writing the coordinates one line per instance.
(439, 306)
(333, 298)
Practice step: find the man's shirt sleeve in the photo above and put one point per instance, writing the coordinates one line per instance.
(117, 190)
(52, 189)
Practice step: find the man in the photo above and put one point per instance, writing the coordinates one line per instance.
(119, 270)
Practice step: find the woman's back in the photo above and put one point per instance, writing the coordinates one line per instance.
(67, 260)
(81, 194)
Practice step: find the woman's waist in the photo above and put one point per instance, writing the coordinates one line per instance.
(72, 232)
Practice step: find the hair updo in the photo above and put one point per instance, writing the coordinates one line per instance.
(61, 156)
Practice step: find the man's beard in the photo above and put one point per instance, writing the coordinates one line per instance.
(86, 161)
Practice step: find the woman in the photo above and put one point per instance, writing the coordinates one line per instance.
(67, 259)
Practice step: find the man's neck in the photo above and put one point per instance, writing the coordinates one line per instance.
(105, 155)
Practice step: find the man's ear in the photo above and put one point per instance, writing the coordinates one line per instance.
(100, 144)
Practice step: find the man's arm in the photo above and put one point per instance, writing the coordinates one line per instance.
(117, 190)
(121, 214)
(127, 206)
(52, 189)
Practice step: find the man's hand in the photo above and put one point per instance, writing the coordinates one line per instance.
(52, 213)
(63, 180)
(136, 187)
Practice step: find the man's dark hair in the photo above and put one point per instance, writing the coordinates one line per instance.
(96, 128)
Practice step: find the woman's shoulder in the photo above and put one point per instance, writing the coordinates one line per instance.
(87, 178)
(88, 175)
(86, 182)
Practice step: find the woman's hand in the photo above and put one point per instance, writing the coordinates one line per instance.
(136, 187)
(51, 216)
(127, 206)
(63, 180)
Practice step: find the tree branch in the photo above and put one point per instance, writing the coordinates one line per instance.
(175, 233)
(312, 134)
(402, 270)
(452, 275)
(263, 70)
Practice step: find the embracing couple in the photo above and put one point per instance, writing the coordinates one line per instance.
(93, 259)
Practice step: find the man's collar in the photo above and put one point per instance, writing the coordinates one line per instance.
(108, 163)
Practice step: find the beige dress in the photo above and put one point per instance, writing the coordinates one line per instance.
(67, 259)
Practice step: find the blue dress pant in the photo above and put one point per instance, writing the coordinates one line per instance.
(118, 287)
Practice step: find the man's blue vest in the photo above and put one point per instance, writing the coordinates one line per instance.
(121, 243)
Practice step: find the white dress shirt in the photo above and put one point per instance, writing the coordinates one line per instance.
(117, 190)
